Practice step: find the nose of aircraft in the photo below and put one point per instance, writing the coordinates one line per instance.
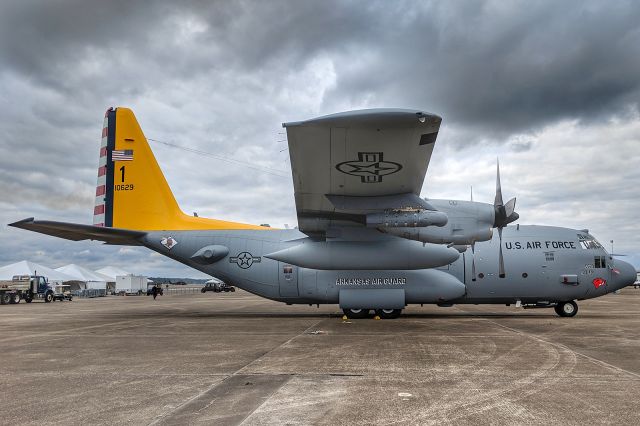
(626, 274)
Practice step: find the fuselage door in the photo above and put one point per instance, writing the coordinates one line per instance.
(288, 278)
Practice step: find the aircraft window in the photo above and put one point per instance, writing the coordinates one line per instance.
(549, 256)
(600, 262)
(588, 242)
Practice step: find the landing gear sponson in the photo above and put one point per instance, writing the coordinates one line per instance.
(364, 313)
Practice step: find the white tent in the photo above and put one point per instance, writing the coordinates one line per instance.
(26, 267)
(88, 277)
(112, 272)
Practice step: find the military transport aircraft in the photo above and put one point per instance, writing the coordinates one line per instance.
(366, 240)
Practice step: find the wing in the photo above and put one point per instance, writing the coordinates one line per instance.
(78, 232)
(348, 164)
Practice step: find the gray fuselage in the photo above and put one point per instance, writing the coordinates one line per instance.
(543, 264)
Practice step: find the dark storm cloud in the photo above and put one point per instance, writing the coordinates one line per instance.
(506, 66)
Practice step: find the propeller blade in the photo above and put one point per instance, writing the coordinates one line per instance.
(498, 200)
(501, 272)
(510, 207)
(473, 261)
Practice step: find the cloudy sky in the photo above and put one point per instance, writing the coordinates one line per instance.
(551, 88)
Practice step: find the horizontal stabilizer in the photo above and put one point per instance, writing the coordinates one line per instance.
(78, 232)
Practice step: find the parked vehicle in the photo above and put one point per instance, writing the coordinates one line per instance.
(30, 287)
(62, 292)
(217, 287)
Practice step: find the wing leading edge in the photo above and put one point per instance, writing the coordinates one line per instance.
(360, 156)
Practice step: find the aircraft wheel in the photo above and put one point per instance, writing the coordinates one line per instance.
(356, 313)
(566, 309)
(388, 313)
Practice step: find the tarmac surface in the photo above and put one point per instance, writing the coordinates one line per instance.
(234, 358)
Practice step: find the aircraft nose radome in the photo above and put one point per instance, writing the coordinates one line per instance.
(626, 275)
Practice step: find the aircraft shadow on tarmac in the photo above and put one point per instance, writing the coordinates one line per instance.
(337, 315)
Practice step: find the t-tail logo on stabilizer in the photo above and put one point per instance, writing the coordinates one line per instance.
(370, 167)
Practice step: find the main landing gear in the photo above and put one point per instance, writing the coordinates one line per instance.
(566, 309)
(364, 313)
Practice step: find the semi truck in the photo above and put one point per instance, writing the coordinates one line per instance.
(30, 287)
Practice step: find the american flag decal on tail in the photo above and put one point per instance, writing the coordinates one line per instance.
(122, 155)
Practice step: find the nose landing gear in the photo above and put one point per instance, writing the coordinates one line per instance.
(566, 309)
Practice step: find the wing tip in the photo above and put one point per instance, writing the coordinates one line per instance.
(22, 222)
(389, 115)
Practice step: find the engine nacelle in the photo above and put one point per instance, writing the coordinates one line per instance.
(406, 219)
(468, 222)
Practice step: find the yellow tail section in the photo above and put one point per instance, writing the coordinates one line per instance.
(135, 193)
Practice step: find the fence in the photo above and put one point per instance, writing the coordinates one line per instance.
(172, 291)
(181, 290)
(89, 292)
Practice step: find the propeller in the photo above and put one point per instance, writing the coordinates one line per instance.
(504, 215)
(473, 261)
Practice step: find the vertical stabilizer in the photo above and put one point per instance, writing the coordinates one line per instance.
(132, 192)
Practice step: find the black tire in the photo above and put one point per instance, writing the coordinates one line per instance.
(28, 299)
(566, 309)
(203, 291)
(15, 298)
(388, 313)
(232, 289)
(5, 298)
(48, 297)
(356, 313)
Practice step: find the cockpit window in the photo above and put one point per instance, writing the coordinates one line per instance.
(588, 242)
